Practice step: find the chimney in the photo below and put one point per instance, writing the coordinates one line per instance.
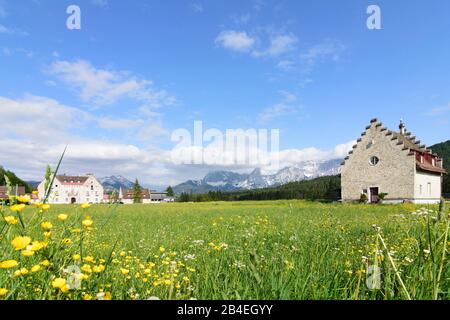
(402, 127)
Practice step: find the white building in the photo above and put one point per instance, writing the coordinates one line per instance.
(73, 189)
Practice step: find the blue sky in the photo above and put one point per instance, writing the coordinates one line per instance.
(137, 70)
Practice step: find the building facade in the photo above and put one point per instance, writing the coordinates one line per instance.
(73, 189)
(391, 165)
(126, 196)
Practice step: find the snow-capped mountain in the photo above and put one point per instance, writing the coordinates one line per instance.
(115, 183)
(229, 181)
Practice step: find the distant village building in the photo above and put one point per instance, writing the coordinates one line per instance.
(73, 189)
(15, 191)
(391, 165)
(126, 196)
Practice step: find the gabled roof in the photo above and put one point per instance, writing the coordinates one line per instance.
(72, 179)
(407, 142)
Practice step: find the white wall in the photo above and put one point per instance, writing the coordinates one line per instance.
(427, 186)
(89, 192)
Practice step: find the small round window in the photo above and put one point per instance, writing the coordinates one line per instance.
(374, 161)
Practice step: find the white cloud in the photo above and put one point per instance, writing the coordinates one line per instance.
(238, 41)
(329, 49)
(197, 7)
(105, 87)
(4, 29)
(39, 118)
(111, 123)
(284, 108)
(279, 44)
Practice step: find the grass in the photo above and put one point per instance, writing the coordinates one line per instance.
(233, 250)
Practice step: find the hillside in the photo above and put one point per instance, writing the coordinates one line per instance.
(322, 188)
(443, 150)
(13, 178)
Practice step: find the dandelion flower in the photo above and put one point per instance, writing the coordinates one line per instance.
(47, 226)
(36, 268)
(85, 205)
(45, 207)
(17, 207)
(27, 252)
(20, 243)
(11, 220)
(8, 264)
(61, 284)
(3, 292)
(23, 199)
(87, 222)
(45, 263)
(62, 217)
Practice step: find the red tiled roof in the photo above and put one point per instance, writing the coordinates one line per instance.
(429, 167)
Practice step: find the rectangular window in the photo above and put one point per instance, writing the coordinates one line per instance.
(429, 189)
(420, 189)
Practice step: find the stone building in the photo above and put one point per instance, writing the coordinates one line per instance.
(73, 189)
(393, 164)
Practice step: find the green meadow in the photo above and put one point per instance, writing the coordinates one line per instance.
(225, 250)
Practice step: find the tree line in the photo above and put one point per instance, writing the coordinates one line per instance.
(324, 188)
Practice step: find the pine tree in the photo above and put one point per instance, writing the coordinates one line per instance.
(137, 192)
(169, 191)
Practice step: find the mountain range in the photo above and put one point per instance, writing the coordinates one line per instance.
(115, 183)
(231, 181)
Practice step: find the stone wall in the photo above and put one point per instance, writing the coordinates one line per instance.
(394, 174)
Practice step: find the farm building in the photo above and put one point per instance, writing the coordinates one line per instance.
(391, 165)
(15, 190)
(126, 196)
(73, 189)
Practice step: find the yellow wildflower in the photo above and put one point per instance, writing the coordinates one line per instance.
(87, 296)
(27, 252)
(89, 259)
(85, 205)
(62, 217)
(76, 257)
(35, 192)
(36, 268)
(46, 225)
(20, 243)
(99, 268)
(3, 292)
(162, 249)
(17, 207)
(86, 268)
(45, 207)
(59, 283)
(11, 220)
(23, 199)
(8, 264)
(21, 272)
(45, 263)
(124, 271)
(36, 245)
(87, 222)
